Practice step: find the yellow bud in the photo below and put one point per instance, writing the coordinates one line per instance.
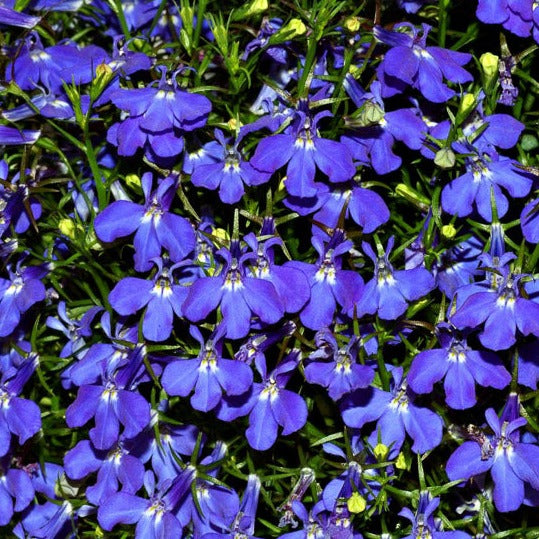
(445, 158)
(292, 29)
(449, 231)
(356, 503)
(69, 228)
(467, 104)
(103, 70)
(234, 124)
(400, 463)
(354, 70)
(352, 24)
(221, 233)
(381, 451)
(133, 181)
(489, 63)
(256, 6)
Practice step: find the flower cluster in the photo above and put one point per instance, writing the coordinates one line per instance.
(238, 260)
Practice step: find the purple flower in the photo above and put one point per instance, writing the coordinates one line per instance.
(112, 467)
(155, 517)
(341, 374)
(10, 136)
(304, 151)
(290, 283)
(365, 207)
(158, 117)
(112, 402)
(423, 522)
(227, 169)
(502, 309)
(485, 173)
(238, 293)
(154, 224)
(74, 330)
(210, 375)
(529, 221)
(373, 140)
(396, 415)
(513, 15)
(15, 485)
(511, 462)
(411, 63)
(330, 284)
(389, 292)
(161, 296)
(461, 367)
(269, 405)
(21, 417)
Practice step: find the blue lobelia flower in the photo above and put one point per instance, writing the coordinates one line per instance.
(290, 283)
(376, 130)
(341, 374)
(461, 367)
(154, 224)
(74, 330)
(239, 294)
(112, 401)
(227, 169)
(356, 477)
(330, 284)
(423, 522)
(514, 15)
(304, 150)
(165, 449)
(113, 467)
(18, 416)
(529, 221)
(15, 485)
(389, 292)
(243, 525)
(18, 294)
(211, 505)
(486, 173)
(511, 462)
(158, 117)
(11, 136)
(154, 517)
(396, 415)
(411, 63)
(210, 375)
(501, 307)
(162, 297)
(364, 206)
(269, 404)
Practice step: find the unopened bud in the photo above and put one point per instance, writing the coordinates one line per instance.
(400, 463)
(445, 158)
(449, 231)
(352, 24)
(292, 29)
(489, 62)
(381, 451)
(356, 503)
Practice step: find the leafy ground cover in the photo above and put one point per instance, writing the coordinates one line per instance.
(269, 269)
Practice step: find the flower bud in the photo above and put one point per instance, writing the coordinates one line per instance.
(356, 503)
(445, 158)
(449, 231)
(400, 463)
(381, 451)
(352, 24)
(489, 63)
(292, 29)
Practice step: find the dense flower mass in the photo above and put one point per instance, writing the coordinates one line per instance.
(243, 245)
